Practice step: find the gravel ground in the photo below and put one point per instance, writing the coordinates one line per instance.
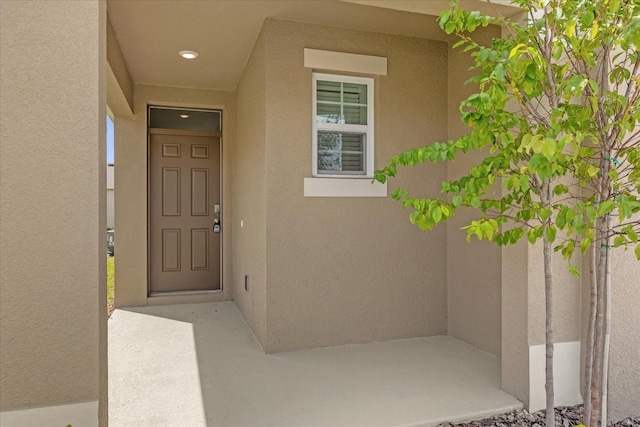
(566, 416)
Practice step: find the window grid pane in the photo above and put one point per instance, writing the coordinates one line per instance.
(343, 103)
(341, 153)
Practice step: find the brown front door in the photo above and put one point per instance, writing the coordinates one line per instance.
(184, 196)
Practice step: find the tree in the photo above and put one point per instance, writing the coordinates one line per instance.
(556, 115)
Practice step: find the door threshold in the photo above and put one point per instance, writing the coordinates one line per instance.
(183, 293)
(186, 297)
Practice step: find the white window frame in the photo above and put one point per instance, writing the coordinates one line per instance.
(367, 130)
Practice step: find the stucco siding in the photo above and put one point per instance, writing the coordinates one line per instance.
(515, 308)
(344, 270)
(52, 204)
(250, 216)
(624, 364)
(120, 85)
(566, 294)
(474, 277)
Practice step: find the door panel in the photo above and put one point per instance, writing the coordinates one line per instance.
(200, 249)
(171, 191)
(199, 192)
(171, 249)
(184, 252)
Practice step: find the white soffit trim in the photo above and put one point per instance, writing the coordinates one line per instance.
(341, 61)
(566, 375)
(343, 187)
(79, 414)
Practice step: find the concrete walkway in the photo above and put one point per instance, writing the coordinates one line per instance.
(198, 365)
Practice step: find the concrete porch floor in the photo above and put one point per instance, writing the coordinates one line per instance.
(199, 365)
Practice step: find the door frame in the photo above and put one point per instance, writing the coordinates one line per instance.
(218, 134)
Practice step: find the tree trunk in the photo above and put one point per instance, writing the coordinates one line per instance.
(598, 354)
(607, 325)
(588, 374)
(548, 281)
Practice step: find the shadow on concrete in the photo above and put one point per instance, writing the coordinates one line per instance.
(198, 365)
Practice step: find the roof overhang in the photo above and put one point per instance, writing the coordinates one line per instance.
(150, 33)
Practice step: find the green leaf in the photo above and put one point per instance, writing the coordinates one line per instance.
(594, 104)
(561, 218)
(545, 214)
(458, 44)
(637, 251)
(436, 214)
(570, 29)
(574, 270)
(549, 148)
(516, 234)
(605, 208)
(560, 189)
(380, 177)
(551, 233)
(586, 18)
(444, 16)
(592, 171)
(515, 50)
(449, 27)
(568, 248)
(399, 194)
(594, 30)
(619, 241)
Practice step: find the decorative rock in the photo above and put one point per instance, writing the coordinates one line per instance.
(566, 416)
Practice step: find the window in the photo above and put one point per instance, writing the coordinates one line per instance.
(342, 126)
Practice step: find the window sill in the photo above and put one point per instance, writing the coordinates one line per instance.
(343, 187)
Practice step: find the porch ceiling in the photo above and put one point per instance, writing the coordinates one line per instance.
(152, 32)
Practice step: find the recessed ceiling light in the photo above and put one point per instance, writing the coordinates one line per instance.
(184, 116)
(188, 54)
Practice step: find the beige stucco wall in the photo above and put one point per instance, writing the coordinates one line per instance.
(515, 337)
(130, 139)
(474, 276)
(249, 195)
(524, 313)
(624, 374)
(119, 83)
(567, 294)
(624, 364)
(52, 204)
(344, 270)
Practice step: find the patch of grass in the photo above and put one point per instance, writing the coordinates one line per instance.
(110, 279)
